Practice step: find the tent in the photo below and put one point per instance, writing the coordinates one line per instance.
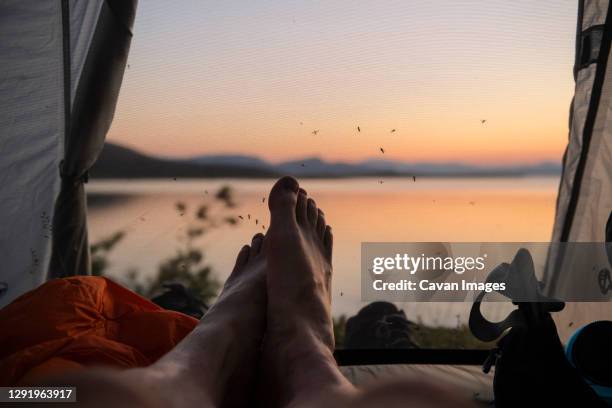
(62, 67)
(584, 201)
(63, 63)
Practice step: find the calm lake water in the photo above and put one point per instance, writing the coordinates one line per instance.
(360, 210)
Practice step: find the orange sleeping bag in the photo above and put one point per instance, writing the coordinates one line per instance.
(71, 323)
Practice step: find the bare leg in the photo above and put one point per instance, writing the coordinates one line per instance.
(223, 350)
(299, 339)
(213, 366)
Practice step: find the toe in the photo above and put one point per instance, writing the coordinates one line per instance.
(256, 245)
(328, 243)
(312, 212)
(243, 257)
(300, 208)
(282, 201)
(321, 224)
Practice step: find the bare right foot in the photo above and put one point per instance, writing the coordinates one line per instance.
(299, 335)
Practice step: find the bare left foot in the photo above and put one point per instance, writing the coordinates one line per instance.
(221, 355)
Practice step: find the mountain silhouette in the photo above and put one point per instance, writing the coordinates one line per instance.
(121, 162)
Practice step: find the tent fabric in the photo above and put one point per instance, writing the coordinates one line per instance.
(83, 16)
(593, 12)
(586, 148)
(62, 65)
(83, 321)
(92, 112)
(31, 146)
(584, 202)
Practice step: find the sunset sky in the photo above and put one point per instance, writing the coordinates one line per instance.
(216, 77)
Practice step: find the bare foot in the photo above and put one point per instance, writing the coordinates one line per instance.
(221, 355)
(299, 337)
(244, 295)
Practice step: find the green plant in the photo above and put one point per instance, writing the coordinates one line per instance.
(187, 266)
(100, 250)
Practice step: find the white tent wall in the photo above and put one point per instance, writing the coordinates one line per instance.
(569, 227)
(45, 48)
(31, 145)
(585, 192)
(93, 104)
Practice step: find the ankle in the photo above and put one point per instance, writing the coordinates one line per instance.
(313, 368)
(305, 352)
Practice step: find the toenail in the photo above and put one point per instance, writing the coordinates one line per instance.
(290, 183)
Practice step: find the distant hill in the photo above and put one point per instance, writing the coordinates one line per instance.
(461, 169)
(232, 160)
(121, 162)
(315, 167)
